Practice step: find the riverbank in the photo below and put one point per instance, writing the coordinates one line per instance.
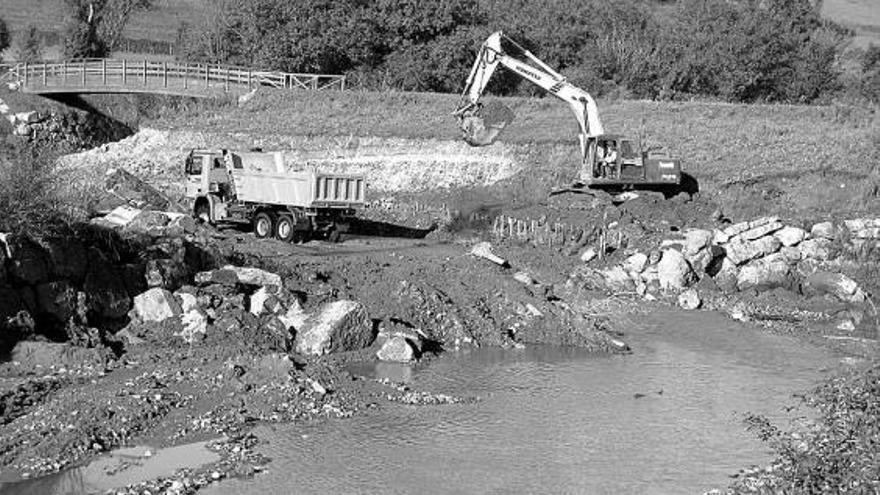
(175, 332)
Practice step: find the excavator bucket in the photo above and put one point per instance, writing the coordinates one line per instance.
(483, 125)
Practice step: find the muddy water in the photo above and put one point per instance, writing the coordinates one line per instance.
(117, 469)
(666, 419)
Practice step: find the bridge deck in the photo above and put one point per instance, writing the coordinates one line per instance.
(185, 79)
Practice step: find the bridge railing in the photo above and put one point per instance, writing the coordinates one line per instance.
(97, 73)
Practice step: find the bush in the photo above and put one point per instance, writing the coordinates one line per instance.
(839, 454)
(30, 46)
(29, 200)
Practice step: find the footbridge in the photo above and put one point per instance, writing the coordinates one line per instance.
(143, 76)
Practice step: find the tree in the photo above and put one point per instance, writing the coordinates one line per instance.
(4, 36)
(94, 27)
(30, 46)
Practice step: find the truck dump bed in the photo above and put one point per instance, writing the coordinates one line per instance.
(301, 189)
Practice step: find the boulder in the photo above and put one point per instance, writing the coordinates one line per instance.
(824, 230)
(765, 273)
(727, 276)
(588, 255)
(29, 262)
(255, 277)
(836, 284)
(120, 217)
(68, 259)
(397, 349)
(735, 229)
(818, 248)
(294, 317)
(740, 251)
(221, 276)
(696, 240)
(762, 221)
(524, 278)
(791, 254)
(617, 279)
(719, 237)
(108, 295)
(150, 222)
(195, 325)
(338, 326)
(156, 305)
(636, 263)
(689, 300)
(761, 230)
(867, 233)
(790, 236)
(673, 271)
(258, 300)
(56, 299)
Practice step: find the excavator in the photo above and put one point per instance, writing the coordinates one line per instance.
(607, 160)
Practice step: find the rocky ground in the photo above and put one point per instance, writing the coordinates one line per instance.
(142, 326)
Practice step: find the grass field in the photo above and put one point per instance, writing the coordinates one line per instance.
(863, 16)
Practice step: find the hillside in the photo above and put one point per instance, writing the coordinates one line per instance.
(863, 16)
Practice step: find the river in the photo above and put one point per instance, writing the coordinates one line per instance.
(665, 419)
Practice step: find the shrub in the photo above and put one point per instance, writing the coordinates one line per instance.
(839, 454)
(4, 35)
(29, 200)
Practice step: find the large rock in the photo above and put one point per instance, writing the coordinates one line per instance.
(824, 230)
(636, 263)
(735, 229)
(255, 276)
(815, 249)
(761, 230)
(689, 300)
(727, 276)
(57, 299)
(108, 294)
(338, 326)
(29, 263)
(397, 349)
(673, 271)
(695, 240)
(148, 222)
(765, 273)
(740, 251)
(156, 305)
(68, 259)
(294, 317)
(790, 236)
(836, 284)
(617, 279)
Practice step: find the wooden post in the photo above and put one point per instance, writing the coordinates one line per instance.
(207, 73)
(25, 74)
(84, 73)
(342, 84)
(65, 72)
(185, 75)
(165, 74)
(124, 72)
(315, 83)
(104, 71)
(249, 79)
(145, 72)
(226, 83)
(44, 74)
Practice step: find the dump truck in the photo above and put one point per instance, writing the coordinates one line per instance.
(257, 188)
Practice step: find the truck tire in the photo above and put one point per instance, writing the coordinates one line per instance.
(285, 229)
(334, 235)
(264, 225)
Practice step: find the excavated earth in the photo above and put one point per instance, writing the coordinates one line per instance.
(97, 382)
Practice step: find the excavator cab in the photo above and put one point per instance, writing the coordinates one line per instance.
(617, 161)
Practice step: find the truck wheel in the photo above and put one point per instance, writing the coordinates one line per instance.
(285, 228)
(263, 225)
(203, 212)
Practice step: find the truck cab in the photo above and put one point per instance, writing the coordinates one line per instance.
(615, 161)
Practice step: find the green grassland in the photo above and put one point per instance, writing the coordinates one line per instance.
(813, 159)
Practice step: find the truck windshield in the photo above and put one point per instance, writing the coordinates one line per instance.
(193, 165)
(626, 149)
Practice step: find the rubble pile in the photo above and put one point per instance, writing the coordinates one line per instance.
(759, 255)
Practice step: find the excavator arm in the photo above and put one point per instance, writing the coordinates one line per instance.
(480, 132)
